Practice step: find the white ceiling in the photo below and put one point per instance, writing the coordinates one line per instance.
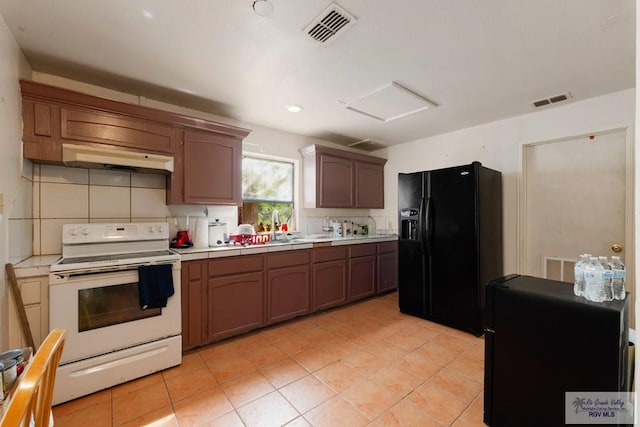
(479, 61)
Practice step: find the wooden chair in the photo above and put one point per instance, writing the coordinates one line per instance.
(31, 400)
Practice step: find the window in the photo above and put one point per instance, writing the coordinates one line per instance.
(267, 184)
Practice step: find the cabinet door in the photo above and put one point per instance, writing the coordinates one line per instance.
(235, 304)
(194, 302)
(362, 277)
(35, 297)
(288, 293)
(330, 283)
(369, 185)
(211, 168)
(41, 131)
(335, 185)
(387, 271)
(86, 125)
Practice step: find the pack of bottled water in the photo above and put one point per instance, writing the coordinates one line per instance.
(599, 279)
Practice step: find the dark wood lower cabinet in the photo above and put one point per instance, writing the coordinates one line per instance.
(362, 277)
(362, 270)
(194, 302)
(387, 264)
(224, 297)
(235, 304)
(330, 283)
(288, 293)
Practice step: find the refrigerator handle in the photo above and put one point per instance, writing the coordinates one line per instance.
(427, 226)
(421, 225)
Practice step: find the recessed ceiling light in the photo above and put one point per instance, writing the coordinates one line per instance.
(294, 108)
(147, 14)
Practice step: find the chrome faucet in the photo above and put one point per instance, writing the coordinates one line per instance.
(275, 223)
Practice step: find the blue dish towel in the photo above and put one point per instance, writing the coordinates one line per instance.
(155, 285)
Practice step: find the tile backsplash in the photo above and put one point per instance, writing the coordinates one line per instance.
(63, 195)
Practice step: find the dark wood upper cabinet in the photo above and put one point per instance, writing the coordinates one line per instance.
(340, 179)
(41, 130)
(211, 168)
(103, 128)
(336, 178)
(207, 155)
(369, 185)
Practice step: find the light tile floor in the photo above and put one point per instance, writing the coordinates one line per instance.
(366, 364)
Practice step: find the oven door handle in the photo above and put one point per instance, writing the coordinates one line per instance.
(105, 270)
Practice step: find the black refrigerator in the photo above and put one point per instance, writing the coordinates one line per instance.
(542, 341)
(450, 243)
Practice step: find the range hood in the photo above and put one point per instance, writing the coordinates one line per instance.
(103, 157)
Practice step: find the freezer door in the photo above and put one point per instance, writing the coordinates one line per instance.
(412, 267)
(453, 239)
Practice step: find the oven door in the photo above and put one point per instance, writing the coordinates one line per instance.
(101, 312)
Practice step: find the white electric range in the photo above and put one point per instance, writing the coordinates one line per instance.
(94, 295)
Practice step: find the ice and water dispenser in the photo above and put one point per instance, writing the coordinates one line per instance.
(409, 224)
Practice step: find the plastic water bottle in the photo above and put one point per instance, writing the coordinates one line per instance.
(578, 274)
(594, 286)
(619, 277)
(607, 278)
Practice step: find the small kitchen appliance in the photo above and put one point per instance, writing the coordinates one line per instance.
(182, 239)
(218, 235)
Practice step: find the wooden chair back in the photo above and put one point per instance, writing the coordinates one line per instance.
(31, 400)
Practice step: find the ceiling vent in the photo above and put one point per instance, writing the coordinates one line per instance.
(333, 21)
(552, 100)
(367, 145)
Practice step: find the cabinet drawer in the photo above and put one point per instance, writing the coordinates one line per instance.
(362, 250)
(94, 126)
(329, 254)
(236, 264)
(387, 247)
(193, 269)
(287, 258)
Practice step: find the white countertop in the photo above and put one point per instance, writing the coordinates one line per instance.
(302, 243)
(35, 266)
(39, 265)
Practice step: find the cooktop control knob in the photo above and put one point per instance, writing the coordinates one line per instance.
(151, 230)
(85, 231)
(160, 228)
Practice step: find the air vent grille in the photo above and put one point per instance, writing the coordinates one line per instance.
(551, 100)
(331, 22)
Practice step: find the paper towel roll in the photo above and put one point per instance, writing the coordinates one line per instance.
(201, 239)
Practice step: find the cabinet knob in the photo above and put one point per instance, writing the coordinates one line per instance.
(617, 248)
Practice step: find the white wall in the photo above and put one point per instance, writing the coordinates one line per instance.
(498, 145)
(15, 175)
